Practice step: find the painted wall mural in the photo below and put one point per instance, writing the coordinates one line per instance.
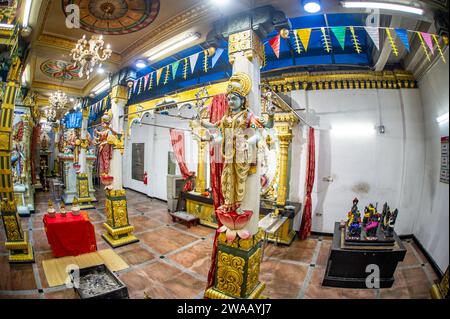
(61, 70)
(115, 17)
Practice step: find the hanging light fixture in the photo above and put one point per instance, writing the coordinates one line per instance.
(89, 54)
(58, 99)
(50, 114)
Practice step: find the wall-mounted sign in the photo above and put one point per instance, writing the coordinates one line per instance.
(444, 160)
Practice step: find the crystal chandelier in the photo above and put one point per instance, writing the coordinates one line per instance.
(87, 54)
(58, 99)
(50, 114)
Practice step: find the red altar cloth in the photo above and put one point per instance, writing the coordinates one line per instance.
(70, 235)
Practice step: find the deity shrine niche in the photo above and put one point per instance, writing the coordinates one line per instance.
(21, 160)
(77, 184)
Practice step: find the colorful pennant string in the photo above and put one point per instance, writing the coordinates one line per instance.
(275, 45)
(166, 76)
(427, 38)
(422, 43)
(403, 36)
(185, 67)
(439, 48)
(339, 33)
(355, 40)
(391, 40)
(374, 34)
(193, 61)
(304, 35)
(297, 42)
(175, 66)
(146, 81)
(216, 56)
(205, 60)
(325, 40)
(158, 75)
(150, 86)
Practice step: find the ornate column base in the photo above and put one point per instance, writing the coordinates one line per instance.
(118, 228)
(440, 290)
(84, 196)
(20, 251)
(237, 269)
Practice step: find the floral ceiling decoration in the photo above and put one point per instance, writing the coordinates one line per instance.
(115, 17)
(61, 70)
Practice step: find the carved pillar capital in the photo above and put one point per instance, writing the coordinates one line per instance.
(246, 43)
(118, 93)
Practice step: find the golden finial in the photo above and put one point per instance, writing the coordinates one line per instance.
(50, 203)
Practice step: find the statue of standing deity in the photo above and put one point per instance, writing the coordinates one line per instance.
(238, 133)
(104, 139)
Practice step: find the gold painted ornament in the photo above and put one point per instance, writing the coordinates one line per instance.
(211, 51)
(284, 33)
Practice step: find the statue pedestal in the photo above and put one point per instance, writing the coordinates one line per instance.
(117, 225)
(237, 269)
(71, 182)
(19, 195)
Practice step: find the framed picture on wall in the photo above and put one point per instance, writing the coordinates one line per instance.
(137, 169)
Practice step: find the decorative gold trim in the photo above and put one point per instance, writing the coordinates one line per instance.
(129, 239)
(212, 293)
(118, 231)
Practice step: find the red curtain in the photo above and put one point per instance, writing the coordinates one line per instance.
(177, 139)
(217, 110)
(305, 227)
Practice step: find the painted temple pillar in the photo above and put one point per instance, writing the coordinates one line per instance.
(119, 230)
(17, 242)
(200, 180)
(238, 262)
(85, 194)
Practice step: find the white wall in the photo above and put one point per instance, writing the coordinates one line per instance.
(157, 145)
(364, 163)
(432, 222)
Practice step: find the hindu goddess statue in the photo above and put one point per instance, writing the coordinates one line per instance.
(238, 133)
(104, 139)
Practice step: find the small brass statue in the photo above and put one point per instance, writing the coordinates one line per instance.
(354, 221)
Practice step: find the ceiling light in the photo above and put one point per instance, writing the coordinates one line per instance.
(171, 47)
(382, 5)
(220, 2)
(311, 6)
(140, 64)
(100, 70)
(442, 119)
(26, 16)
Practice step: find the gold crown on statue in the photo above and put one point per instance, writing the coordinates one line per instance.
(106, 118)
(239, 83)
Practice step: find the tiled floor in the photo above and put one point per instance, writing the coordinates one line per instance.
(172, 261)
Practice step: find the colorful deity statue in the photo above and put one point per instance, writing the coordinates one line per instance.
(238, 136)
(74, 143)
(18, 158)
(371, 223)
(389, 230)
(354, 221)
(104, 139)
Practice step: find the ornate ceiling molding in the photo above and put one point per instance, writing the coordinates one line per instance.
(202, 13)
(42, 86)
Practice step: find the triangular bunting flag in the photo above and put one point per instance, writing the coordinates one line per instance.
(304, 35)
(325, 40)
(339, 33)
(391, 40)
(275, 45)
(134, 85)
(374, 34)
(175, 66)
(193, 61)
(424, 47)
(216, 56)
(158, 75)
(403, 36)
(146, 81)
(427, 38)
